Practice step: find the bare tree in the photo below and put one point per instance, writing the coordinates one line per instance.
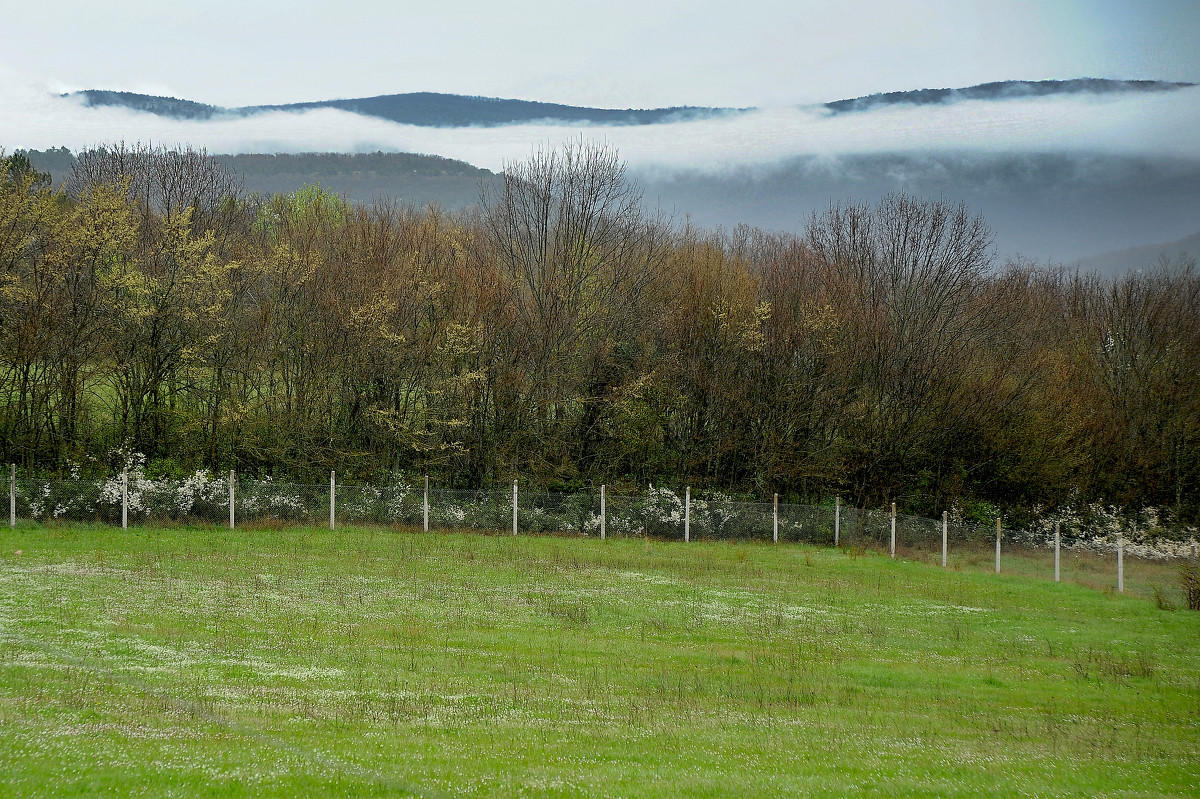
(165, 181)
(1144, 330)
(909, 273)
(569, 238)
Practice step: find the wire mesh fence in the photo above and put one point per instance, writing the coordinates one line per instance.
(470, 510)
(393, 503)
(259, 501)
(547, 512)
(660, 513)
(110, 500)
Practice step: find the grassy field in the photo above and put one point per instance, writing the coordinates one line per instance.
(368, 662)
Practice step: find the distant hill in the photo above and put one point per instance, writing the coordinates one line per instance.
(150, 104)
(57, 161)
(431, 109)
(410, 177)
(1112, 263)
(1050, 206)
(377, 163)
(419, 179)
(426, 109)
(1004, 90)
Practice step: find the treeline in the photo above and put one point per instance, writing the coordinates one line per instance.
(563, 334)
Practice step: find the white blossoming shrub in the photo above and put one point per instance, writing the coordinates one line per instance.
(1097, 527)
(66, 500)
(577, 511)
(538, 520)
(450, 515)
(482, 510)
(716, 517)
(396, 502)
(359, 504)
(624, 525)
(33, 499)
(75, 499)
(199, 496)
(811, 524)
(273, 500)
(204, 497)
(402, 504)
(662, 513)
(79, 499)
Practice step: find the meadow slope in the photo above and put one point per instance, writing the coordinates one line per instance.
(370, 662)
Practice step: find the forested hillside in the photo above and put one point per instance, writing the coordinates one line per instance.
(564, 334)
(1004, 90)
(407, 177)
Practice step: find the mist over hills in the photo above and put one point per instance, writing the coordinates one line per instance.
(1063, 170)
(432, 109)
(425, 109)
(1047, 206)
(1061, 207)
(1111, 263)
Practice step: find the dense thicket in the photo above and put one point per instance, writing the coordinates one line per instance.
(563, 334)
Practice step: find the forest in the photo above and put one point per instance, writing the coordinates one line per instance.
(561, 333)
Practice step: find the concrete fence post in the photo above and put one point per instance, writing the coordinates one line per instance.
(892, 548)
(514, 507)
(837, 521)
(1121, 565)
(945, 537)
(332, 500)
(124, 499)
(775, 527)
(687, 514)
(12, 496)
(425, 507)
(232, 502)
(1057, 544)
(998, 545)
(603, 512)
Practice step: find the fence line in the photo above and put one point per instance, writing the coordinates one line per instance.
(659, 513)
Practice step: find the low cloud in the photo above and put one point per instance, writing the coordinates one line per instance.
(1160, 124)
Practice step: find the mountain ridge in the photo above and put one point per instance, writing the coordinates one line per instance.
(434, 109)
(424, 109)
(1004, 90)
(1140, 257)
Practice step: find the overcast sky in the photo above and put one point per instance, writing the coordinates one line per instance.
(617, 53)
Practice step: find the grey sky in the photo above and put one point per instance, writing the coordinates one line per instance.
(616, 53)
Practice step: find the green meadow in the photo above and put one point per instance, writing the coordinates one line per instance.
(185, 661)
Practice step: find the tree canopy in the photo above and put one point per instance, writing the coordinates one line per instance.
(564, 333)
